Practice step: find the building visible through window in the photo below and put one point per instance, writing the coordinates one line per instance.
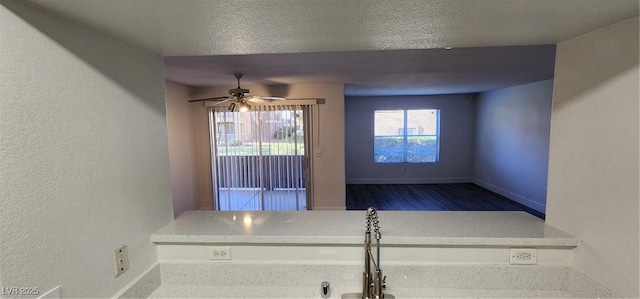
(406, 136)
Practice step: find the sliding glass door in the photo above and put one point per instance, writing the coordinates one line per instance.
(260, 158)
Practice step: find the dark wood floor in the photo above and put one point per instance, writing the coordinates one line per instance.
(431, 197)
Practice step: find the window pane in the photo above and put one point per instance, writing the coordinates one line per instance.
(422, 139)
(388, 149)
(422, 149)
(389, 123)
(388, 146)
(422, 122)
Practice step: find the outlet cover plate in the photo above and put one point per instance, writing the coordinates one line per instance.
(220, 253)
(523, 256)
(121, 260)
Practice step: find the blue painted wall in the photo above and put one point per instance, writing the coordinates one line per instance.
(512, 142)
(457, 120)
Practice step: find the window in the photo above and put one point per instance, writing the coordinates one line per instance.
(406, 136)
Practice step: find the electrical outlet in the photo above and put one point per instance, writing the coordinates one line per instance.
(121, 260)
(220, 253)
(522, 256)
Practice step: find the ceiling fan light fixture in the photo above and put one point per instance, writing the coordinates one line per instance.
(244, 106)
(238, 98)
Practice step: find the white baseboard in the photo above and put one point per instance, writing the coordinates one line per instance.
(52, 294)
(511, 195)
(445, 180)
(143, 285)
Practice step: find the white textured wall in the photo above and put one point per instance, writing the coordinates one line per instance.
(593, 189)
(83, 145)
(512, 142)
(181, 148)
(457, 113)
(328, 170)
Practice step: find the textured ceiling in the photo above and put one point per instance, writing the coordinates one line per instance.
(234, 27)
(220, 27)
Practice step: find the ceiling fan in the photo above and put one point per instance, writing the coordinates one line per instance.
(239, 98)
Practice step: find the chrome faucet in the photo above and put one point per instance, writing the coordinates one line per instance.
(373, 284)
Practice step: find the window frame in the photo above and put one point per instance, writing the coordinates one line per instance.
(405, 137)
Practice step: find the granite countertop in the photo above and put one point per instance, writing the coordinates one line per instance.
(425, 228)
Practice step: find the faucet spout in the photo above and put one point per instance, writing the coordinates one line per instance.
(373, 282)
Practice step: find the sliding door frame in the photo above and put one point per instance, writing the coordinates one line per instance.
(309, 108)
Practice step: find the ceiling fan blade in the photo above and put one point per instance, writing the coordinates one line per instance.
(222, 102)
(260, 99)
(210, 99)
(271, 98)
(300, 99)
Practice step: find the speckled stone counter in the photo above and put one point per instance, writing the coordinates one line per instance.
(424, 255)
(347, 227)
(254, 280)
